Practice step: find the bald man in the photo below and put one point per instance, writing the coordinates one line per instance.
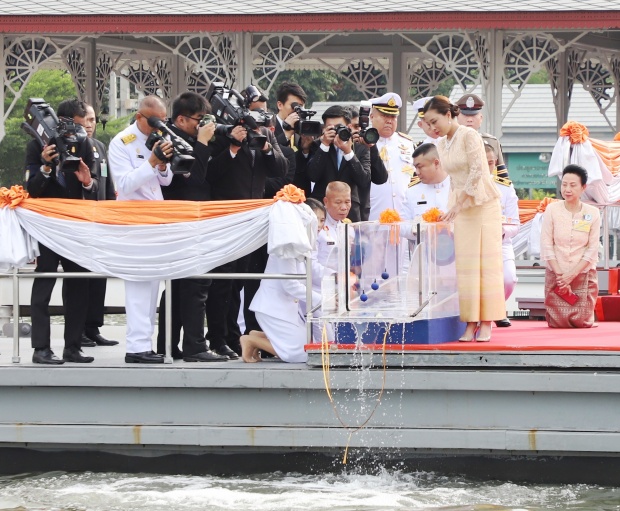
(337, 202)
(139, 175)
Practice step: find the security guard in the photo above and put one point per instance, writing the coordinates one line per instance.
(395, 150)
(139, 175)
(430, 187)
(471, 115)
(510, 225)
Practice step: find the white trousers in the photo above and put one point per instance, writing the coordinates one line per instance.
(140, 304)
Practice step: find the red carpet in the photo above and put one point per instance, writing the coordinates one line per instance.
(522, 336)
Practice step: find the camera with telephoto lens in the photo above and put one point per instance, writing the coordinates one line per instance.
(206, 119)
(343, 132)
(230, 110)
(369, 135)
(43, 125)
(304, 126)
(182, 157)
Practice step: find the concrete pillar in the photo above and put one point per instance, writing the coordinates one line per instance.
(492, 122)
(563, 101)
(91, 72)
(395, 79)
(245, 74)
(3, 76)
(112, 102)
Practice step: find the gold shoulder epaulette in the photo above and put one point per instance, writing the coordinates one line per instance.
(128, 138)
(502, 180)
(414, 181)
(404, 135)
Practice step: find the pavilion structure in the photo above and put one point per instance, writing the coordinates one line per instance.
(407, 47)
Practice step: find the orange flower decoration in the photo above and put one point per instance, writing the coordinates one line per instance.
(12, 197)
(432, 215)
(389, 216)
(576, 132)
(617, 137)
(290, 193)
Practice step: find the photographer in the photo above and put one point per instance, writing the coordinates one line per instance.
(139, 175)
(335, 159)
(295, 147)
(378, 172)
(44, 179)
(189, 296)
(239, 172)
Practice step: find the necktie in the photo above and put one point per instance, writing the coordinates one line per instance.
(60, 177)
(292, 143)
(339, 157)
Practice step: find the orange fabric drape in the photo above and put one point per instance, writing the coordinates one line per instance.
(609, 152)
(127, 212)
(529, 208)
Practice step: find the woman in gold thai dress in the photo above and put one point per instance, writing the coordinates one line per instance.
(474, 207)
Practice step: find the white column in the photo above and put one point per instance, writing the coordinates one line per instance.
(493, 109)
(112, 102)
(245, 75)
(91, 73)
(3, 76)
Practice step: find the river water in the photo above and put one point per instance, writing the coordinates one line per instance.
(383, 491)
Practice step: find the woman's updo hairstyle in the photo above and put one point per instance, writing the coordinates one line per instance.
(442, 105)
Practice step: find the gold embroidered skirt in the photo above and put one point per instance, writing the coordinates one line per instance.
(479, 263)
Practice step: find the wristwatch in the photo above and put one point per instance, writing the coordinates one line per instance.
(269, 148)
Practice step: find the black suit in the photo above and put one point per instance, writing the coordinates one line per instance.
(378, 176)
(97, 287)
(189, 296)
(323, 169)
(74, 291)
(234, 178)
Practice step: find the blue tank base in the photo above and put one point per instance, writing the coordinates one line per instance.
(421, 331)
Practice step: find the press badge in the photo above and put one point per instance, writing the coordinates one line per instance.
(104, 168)
(581, 225)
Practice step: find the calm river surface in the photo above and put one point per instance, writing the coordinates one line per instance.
(59, 491)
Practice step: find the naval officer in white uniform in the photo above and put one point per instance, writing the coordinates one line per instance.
(510, 224)
(139, 175)
(431, 185)
(395, 150)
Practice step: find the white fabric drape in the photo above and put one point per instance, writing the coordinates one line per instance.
(603, 187)
(151, 252)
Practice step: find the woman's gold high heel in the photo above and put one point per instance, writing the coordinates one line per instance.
(473, 335)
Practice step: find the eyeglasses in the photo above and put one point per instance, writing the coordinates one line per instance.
(192, 118)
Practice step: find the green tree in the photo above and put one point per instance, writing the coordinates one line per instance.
(53, 85)
(319, 85)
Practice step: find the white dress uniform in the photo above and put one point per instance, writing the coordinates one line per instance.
(396, 153)
(327, 253)
(510, 228)
(280, 308)
(421, 197)
(136, 180)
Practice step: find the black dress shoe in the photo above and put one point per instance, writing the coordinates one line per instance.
(146, 357)
(46, 356)
(100, 340)
(206, 356)
(86, 342)
(503, 323)
(75, 355)
(225, 351)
